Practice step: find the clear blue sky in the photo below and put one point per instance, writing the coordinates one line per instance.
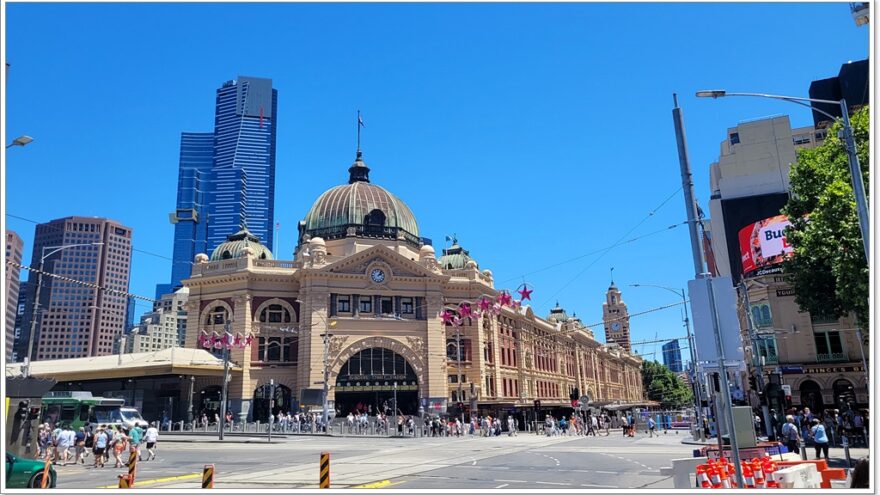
(537, 133)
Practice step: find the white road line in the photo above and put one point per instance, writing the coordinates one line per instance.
(606, 472)
(513, 481)
(502, 486)
(475, 461)
(551, 483)
(600, 486)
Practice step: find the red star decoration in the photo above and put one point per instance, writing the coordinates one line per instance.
(485, 304)
(446, 316)
(525, 293)
(504, 299)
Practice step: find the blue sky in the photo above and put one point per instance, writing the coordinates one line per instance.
(537, 133)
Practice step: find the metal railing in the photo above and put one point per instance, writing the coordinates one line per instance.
(832, 357)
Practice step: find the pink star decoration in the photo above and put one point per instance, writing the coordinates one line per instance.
(446, 316)
(525, 293)
(485, 304)
(504, 298)
(465, 310)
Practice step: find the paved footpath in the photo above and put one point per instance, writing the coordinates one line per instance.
(524, 461)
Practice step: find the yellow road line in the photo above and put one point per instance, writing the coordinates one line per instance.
(380, 484)
(139, 483)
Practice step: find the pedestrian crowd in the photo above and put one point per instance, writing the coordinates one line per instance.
(54, 443)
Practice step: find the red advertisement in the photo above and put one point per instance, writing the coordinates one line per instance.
(763, 243)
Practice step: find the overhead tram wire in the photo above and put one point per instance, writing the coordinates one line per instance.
(60, 229)
(616, 243)
(80, 282)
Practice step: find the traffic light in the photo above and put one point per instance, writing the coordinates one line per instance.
(537, 404)
(753, 384)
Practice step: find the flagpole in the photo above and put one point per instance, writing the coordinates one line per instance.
(359, 131)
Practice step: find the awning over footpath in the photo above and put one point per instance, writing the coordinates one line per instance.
(176, 360)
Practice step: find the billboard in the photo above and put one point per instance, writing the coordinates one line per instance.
(742, 212)
(763, 244)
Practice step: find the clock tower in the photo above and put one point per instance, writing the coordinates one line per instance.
(616, 319)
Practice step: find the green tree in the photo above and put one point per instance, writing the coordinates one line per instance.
(664, 386)
(828, 271)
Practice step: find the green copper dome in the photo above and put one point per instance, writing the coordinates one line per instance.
(558, 314)
(360, 209)
(235, 245)
(454, 258)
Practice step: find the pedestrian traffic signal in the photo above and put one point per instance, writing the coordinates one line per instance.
(537, 404)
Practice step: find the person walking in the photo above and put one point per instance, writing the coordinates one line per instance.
(100, 446)
(790, 434)
(135, 436)
(63, 442)
(79, 443)
(120, 442)
(651, 426)
(151, 437)
(820, 438)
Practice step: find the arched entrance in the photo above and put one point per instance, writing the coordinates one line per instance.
(811, 396)
(844, 394)
(263, 398)
(366, 382)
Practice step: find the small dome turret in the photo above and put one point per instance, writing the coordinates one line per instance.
(239, 245)
(455, 258)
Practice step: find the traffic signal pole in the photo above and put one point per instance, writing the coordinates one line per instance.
(756, 361)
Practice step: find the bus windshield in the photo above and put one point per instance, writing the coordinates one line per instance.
(106, 414)
(131, 415)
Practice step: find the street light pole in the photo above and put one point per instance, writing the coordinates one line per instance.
(36, 309)
(700, 273)
(189, 408)
(855, 169)
(326, 335)
(756, 360)
(222, 422)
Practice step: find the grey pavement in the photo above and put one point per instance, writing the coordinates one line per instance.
(526, 461)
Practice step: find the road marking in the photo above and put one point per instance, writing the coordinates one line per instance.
(379, 484)
(161, 480)
(513, 481)
(601, 486)
(605, 472)
(475, 461)
(502, 486)
(552, 483)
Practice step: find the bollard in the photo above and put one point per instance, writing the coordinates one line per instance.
(132, 465)
(845, 441)
(803, 448)
(324, 472)
(124, 481)
(45, 481)
(208, 476)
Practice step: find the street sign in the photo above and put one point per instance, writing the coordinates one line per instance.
(585, 399)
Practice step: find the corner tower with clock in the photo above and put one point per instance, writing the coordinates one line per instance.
(616, 319)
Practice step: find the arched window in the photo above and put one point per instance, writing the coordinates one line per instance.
(375, 218)
(226, 255)
(275, 313)
(263, 256)
(217, 316)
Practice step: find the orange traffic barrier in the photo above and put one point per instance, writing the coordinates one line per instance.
(124, 481)
(132, 465)
(45, 481)
(832, 474)
(703, 477)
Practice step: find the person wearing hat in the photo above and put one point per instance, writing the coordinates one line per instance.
(817, 433)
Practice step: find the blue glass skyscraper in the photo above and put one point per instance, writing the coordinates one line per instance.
(672, 356)
(226, 178)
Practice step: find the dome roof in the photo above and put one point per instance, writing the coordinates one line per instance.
(455, 257)
(235, 246)
(367, 208)
(558, 314)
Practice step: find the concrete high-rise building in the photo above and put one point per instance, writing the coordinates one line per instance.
(77, 320)
(672, 356)
(616, 318)
(14, 247)
(163, 327)
(817, 359)
(226, 178)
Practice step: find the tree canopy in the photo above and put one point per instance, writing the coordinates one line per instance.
(664, 386)
(828, 271)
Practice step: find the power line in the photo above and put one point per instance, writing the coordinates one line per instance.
(80, 282)
(621, 318)
(59, 228)
(616, 243)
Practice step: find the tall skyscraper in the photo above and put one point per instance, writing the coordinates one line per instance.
(76, 320)
(616, 319)
(672, 356)
(14, 247)
(226, 178)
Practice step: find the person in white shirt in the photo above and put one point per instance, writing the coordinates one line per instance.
(151, 437)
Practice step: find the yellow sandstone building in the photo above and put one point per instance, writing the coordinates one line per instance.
(363, 273)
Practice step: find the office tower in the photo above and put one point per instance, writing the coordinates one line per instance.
(226, 178)
(14, 246)
(77, 320)
(163, 327)
(672, 356)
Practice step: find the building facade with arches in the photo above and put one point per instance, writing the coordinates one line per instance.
(363, 298)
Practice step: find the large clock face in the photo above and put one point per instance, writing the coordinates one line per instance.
(615, 326)
(377, 275)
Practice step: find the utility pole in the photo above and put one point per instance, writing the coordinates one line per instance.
(756, 360)
(458, 369)
(695, 376)
(326, 336)
(858, 182)
(225, 394)
(700, 273)
(271, 407)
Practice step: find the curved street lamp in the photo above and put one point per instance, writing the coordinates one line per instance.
(20, 141)
(855, 170)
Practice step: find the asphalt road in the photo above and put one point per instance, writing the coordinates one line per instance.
(524, 461)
